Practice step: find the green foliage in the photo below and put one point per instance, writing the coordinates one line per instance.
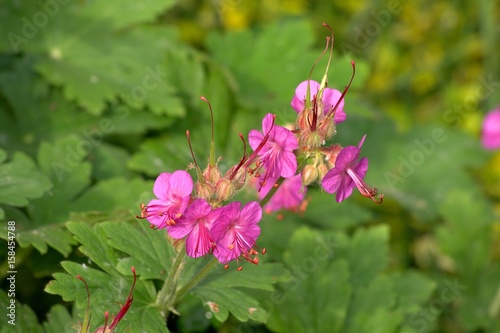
(95, 101)
(20, 180)
(345, 289)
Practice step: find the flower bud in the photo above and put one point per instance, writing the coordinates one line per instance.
(327, 128)
(212, 174)
(239, 178)
(310, 139)
(323, 170)
(309, 175)
(204, 190)
(304, 119)
(225, 189)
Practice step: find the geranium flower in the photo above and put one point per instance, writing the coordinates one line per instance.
(196, 224)
(173, 192)
(289, 195)
(276, 155)
(329, 98)
(349, 173)
(236, 231)
(491, 130)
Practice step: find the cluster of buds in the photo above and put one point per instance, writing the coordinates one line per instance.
(283, 163)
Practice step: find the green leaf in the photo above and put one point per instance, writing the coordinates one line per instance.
(85, 44)
(325, 212)
(467, 217)
(224, 291)
(338, 285)
(415, 169)
(58, 320)
(279, 51)
(20, 180)
(37, 113)
(115, 196)
(143, 315)
(63, 163)
(110, 161)
(23, 319)
(316, 299)
(94, 244)
(152, 254)
(165, 154)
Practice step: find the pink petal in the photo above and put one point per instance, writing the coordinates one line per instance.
(181, 228)
(300, 94)
(251, 214)
(332, 180)
(255, 138)
(360, 144)
(181, 183)
(156, 213)
(345, 189)
(198, 243)
(361, 167)
(285, 138)
(346, 156)
(162, 185)
(339, 116)
(490, 138)
(267, 123)
(330, 99)
(288, 164)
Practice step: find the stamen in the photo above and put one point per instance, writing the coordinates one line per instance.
(364, 189)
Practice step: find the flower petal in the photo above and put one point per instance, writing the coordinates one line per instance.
(332, 180)
(162, 185)
(181, 183)
(288, 163)
(300, 94)
(255, 138)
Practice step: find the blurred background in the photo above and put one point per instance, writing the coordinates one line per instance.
(95, 99)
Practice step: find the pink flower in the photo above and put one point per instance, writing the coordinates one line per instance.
(196, 224)
(173, 192)
(329, 98)
(289, 195)
(276, 154)
(236, 231)
(349, 173)
(491, 130)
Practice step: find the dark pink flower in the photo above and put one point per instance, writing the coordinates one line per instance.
(196, 224)
(289, 195)
(173, 192)
(349, 173)
(329, 99)
(276, 155)
(236, 231)
(491, 130)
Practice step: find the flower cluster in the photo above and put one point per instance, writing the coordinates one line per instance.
(284, 162)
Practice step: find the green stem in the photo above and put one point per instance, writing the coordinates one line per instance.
(166, 295)
(196, 279)
(270, 194)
